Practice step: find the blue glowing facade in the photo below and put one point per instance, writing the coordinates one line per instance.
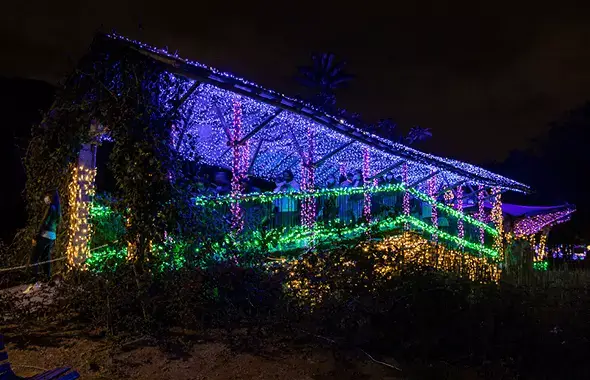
(278, 132)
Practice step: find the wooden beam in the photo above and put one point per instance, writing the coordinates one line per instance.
(474, 192)
(254, 131)
(333, 153)
(488, 197)
(223, 122)
(281, 162)
(179, 67)
(258, 146)
(184, 129)
(484, 199)
(184, 97)
(387, 169)
(260, 126)
(296, 143)
(450, 187)
(426, 178)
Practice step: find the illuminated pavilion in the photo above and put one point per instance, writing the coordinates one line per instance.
(232, 123)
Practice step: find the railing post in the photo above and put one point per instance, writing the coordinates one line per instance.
(239, 167)
(80, 192)
(434, 210)
(308, 206)
(498, 220)
(481, 212)
(406, 201)
(366, 176)
(460, 225)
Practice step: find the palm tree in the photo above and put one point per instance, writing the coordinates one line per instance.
(386, 128)
(325, 75)
(417, 134)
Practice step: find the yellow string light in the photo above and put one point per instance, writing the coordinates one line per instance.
(80, 192)
(542, 251)
(498, 219)
(308, 278)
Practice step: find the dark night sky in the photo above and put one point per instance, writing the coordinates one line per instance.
(496, 73)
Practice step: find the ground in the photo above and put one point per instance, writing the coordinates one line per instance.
(214, 354)
(207, 359)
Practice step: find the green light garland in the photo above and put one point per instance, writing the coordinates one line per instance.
(446, 236)
(293, 239)
(299, 237)
(269, 197)
(99, 211)
(541, 266)
(453, 212)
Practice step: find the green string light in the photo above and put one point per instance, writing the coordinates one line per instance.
(297, 237)
(269, 197)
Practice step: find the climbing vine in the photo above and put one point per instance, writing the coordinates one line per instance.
(136, 102)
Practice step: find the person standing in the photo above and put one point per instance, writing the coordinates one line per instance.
(45, 240)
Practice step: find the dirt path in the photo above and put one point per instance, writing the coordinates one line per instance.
(207, 360)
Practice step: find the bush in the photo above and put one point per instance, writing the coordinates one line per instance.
(417, 315)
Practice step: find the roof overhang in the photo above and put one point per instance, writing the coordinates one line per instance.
(217, 84)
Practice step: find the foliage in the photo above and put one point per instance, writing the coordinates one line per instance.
(108, 226)
(133, 99)
(387, 128)
(417, 134)
(552, 165)
(53, 147)
(416, 316)
(325, 75)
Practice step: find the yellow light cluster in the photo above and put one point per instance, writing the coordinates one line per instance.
(413, 249)
(542, 252)
(80, 193)
(311, 278)
(540, 248)
(498, 219)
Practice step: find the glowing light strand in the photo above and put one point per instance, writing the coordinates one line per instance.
(406, 200)
(366, 184)
(533, 224)
(497, 218)
(471, 169)
(80, 191)
(460, 226)
(237, 168)
(434, 210)
(214, 201)
(308, 207)
(481, 212)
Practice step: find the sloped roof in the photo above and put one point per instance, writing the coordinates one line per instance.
(331, 130)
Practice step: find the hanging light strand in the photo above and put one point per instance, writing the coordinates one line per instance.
(237, 168)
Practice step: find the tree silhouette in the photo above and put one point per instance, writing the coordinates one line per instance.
(417, 134)
(324, 75)
(387, 128)
(555, 167)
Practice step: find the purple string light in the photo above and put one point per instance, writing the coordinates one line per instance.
(406, 202)
(434, 210)
(237, 168)
(481, 212)
(308, 212)
(366, 176)
(420, 156)
(533, 224)
(460, 226)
